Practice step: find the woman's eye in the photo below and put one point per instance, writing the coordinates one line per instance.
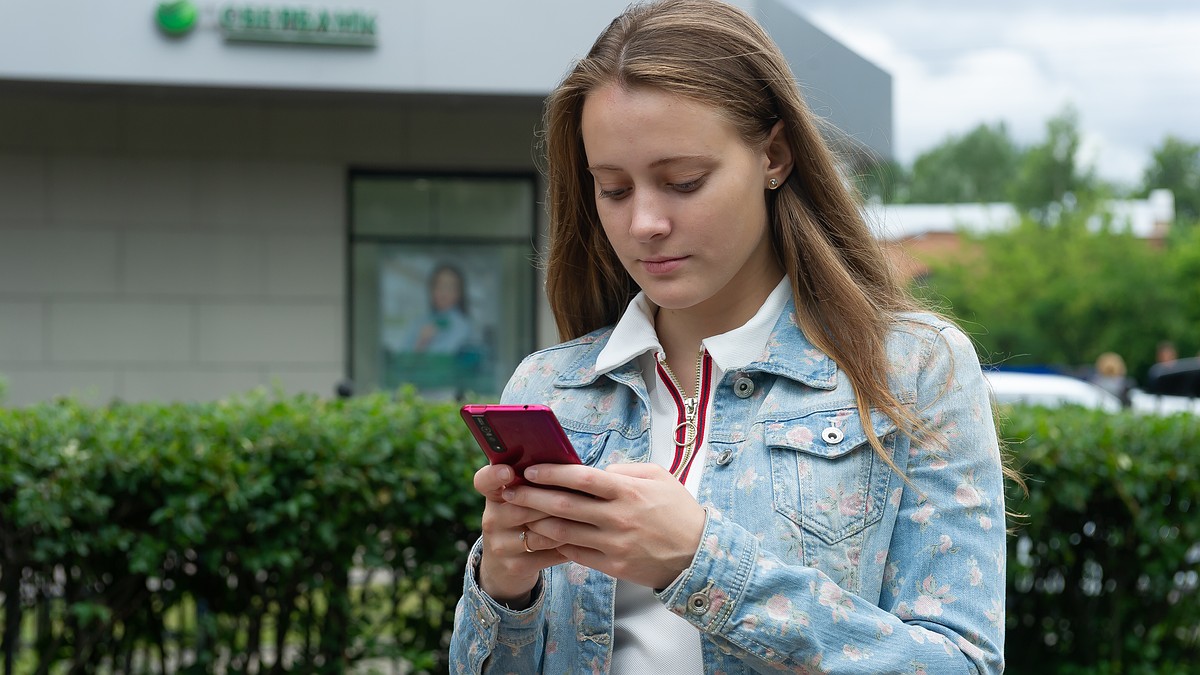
(687, 186)
(615, 193)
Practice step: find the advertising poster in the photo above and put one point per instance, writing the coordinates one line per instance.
(438, 318)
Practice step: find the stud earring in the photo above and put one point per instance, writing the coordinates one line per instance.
(773, 183)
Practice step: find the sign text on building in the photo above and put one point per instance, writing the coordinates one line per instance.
(298, 25)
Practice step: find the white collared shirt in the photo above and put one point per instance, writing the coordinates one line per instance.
(649, 638)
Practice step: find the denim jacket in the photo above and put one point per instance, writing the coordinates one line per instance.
(816, 556)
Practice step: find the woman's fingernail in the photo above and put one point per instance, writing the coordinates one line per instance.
(531, 473)
(505, 474)
(508, 494)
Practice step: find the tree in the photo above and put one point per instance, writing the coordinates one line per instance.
(976, 167)
(885, 181)
(1049, 173)
(1060, 294)
(1183, 263)
(1176, 167)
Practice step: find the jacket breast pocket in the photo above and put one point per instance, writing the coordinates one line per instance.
(599, 446)
(825, 476)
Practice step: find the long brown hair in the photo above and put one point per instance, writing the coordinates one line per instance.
(847, 298)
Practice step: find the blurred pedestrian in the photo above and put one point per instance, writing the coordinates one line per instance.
(1166, 352)
(1110, 375)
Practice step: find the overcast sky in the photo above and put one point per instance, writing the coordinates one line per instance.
(1130, 67)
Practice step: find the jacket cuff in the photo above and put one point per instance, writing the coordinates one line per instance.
(708, 591)
(493, 620)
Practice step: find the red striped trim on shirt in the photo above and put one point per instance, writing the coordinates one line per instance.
(706, 372)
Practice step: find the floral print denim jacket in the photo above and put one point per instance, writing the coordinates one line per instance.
(816, 556)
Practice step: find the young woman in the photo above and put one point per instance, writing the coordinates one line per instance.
(446, 329)
(788, 467)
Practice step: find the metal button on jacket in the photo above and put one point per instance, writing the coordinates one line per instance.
(698, 603)
(743, 387)
(724, 457)
(832, 435)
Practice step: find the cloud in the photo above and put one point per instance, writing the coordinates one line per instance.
(1130, 69)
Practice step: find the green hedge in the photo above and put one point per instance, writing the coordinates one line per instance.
(194, 538)
(1103, 570)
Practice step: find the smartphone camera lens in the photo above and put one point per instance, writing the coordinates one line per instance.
(488, 434)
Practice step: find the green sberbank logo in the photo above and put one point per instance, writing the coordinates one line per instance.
(176, 18)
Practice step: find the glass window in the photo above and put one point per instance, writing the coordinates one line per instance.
(442, 281)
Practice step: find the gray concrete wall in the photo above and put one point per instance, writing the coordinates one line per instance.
(851, 94)
(165, 246)
(521, 47)
(423, 46)
(189, 241)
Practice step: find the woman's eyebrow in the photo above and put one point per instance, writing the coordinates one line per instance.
(656, 163)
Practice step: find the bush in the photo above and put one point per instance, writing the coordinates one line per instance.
(1103, 568)
(219, 536)
(214, 537)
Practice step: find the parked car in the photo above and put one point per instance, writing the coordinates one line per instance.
(1171, 387)
(1179, 377)
(1048, 390)
(1162, 404)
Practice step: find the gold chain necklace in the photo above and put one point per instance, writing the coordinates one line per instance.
(691, 409)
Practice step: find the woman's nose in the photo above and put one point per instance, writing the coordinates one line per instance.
(649, 218)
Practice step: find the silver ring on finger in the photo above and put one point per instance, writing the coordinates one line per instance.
(524, 541)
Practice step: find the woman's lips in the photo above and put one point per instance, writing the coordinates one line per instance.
(662, 265)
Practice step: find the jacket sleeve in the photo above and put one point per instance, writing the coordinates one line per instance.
(941, 609)
(489, 637)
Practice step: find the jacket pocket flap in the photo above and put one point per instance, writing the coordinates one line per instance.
(825, 433)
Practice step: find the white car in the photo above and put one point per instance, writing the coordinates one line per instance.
(1161, 404)
(1048, 390)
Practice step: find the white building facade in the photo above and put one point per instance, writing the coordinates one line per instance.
(187, 216)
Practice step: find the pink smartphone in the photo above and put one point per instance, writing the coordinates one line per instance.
(519, 435)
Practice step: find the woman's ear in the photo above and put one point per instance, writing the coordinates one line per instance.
(779, 156)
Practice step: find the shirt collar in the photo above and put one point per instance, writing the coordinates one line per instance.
(634, 334)
(742, 346)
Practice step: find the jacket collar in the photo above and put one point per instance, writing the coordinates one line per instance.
(788, 354)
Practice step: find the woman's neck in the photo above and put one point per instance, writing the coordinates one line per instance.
(682, 331)
(686, 328)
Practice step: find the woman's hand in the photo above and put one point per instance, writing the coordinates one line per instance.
(507, 571)
(428, 332)
(641, 525)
